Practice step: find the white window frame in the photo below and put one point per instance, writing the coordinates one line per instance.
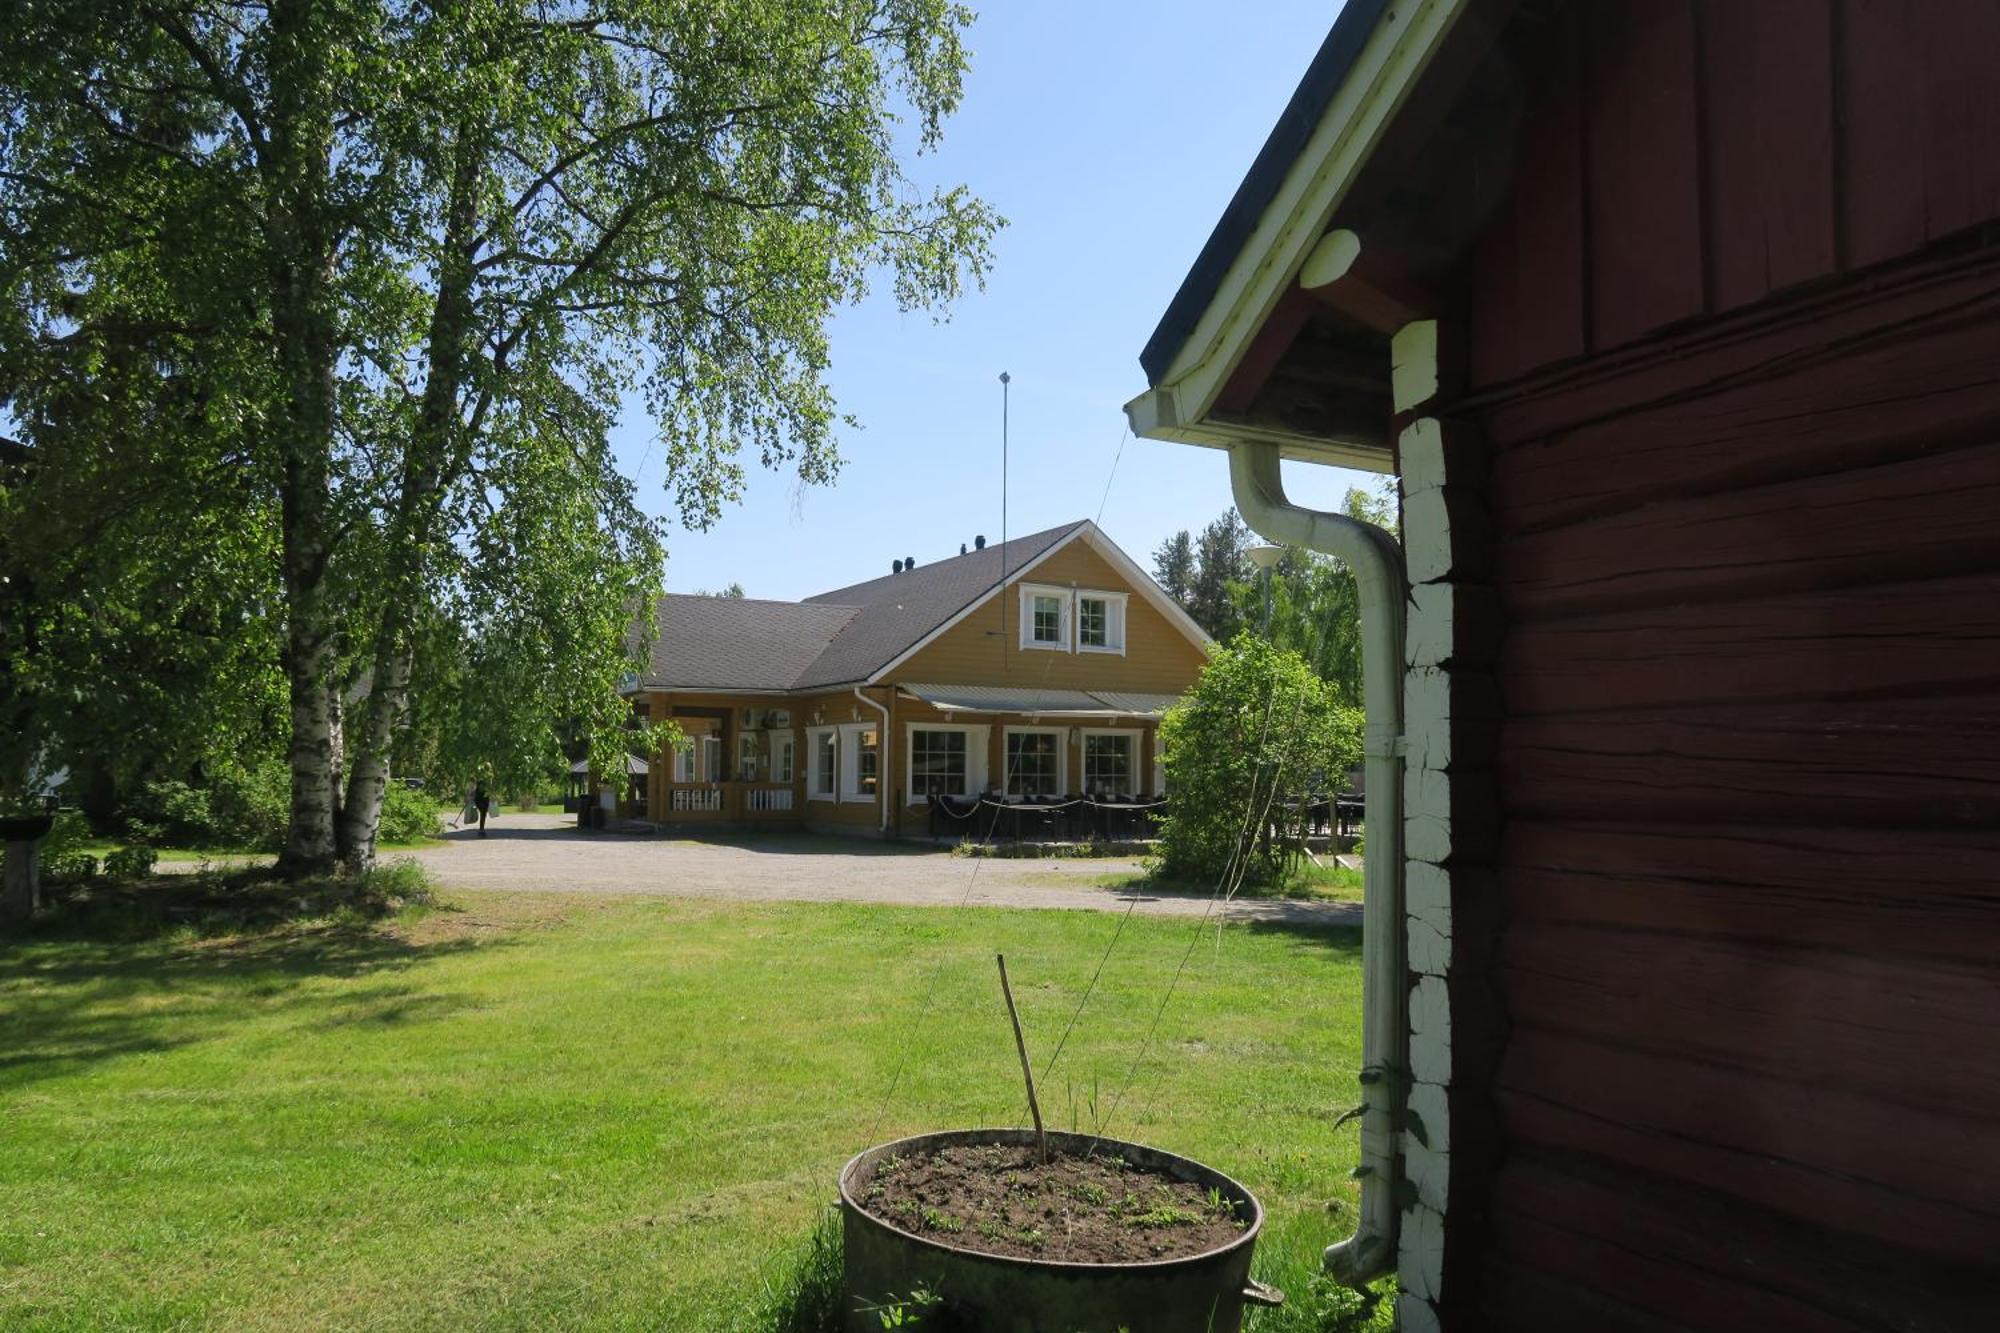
(1062, 756)
(850, 762)
(1065, 617)
(1132, 736)
(975, 757)
(748, 756)
(1114, 618)
(684, 759)
(711, 756)
(784, 758)
(814, 735)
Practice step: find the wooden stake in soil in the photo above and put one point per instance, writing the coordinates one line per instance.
(1021, 1045)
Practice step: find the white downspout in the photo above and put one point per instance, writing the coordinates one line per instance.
(882, 745)
(1377, 562)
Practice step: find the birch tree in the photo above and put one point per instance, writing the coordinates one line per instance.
(451, 242)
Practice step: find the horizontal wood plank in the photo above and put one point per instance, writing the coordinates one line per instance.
(1825, 1270)
(1915, 763)
(1915, 517)
(1893, 1173)
(1876, 1027)
(1901, 393)
(1846, 888)
(1886, 641)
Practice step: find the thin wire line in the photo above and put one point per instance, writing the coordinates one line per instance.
(1125, 435)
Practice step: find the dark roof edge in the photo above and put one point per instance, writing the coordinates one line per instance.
(1288, 138)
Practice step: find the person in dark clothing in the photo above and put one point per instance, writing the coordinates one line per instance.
(481, 802)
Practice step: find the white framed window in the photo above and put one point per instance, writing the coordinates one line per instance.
(1045, 617)
(945, 759)
(1110, 763)
(860, 761)
(749, 745)
(711, 757)
(822, 762)
(782, 758)
(1100, 622)
(684, 760)
(1035, 761)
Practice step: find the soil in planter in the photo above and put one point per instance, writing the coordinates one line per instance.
(1098, 1209)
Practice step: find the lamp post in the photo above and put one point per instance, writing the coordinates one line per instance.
(1266, 558)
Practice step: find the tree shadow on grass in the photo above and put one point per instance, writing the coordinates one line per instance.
(1339, 942)
(113, 971)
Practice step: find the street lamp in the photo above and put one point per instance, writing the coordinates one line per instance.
(1266, 558)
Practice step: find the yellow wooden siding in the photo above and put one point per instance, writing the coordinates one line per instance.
(1158, 658)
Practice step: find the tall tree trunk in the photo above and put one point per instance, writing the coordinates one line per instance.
(295, 161)
(439, 450)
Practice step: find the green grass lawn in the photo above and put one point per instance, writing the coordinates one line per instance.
(561, 1112)
(1328, 882)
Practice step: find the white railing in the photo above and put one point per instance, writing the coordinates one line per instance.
(770, 800)
(698, 800)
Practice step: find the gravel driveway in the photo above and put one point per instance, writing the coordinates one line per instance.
(546, 852)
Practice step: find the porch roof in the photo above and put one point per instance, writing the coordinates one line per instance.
(1041, 703)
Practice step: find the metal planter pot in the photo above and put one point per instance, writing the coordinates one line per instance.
(990, 1293)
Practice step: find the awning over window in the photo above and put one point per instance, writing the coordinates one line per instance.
(1041, 703)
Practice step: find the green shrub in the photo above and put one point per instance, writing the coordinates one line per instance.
(1257, 736)
(252, 804)
(69, 834)
(407, 815)
(69, 866)
(131, 862)
(179, 812)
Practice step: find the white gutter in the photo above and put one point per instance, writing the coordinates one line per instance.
(1377, 562)
(882, 748)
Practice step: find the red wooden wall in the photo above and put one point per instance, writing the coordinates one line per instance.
(1736, 356)
(1682, 158)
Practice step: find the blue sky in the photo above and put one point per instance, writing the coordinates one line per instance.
(1111, 136)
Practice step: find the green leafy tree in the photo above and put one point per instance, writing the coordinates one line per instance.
(1258, 738)
(1309, 604)
(437, 247)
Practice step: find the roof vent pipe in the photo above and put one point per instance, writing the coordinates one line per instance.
(909, 562)
(896, 568)
(979, 542)
(1377, 562)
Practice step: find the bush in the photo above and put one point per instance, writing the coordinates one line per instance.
(131, 862)
(1259, 733)
(68, 866)
(252, 805)
(179, 813)
(68, 835)
(407, 815)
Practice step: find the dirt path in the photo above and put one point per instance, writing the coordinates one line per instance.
(545, 852)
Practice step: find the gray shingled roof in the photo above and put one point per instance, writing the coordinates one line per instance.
(834, 638)
(899, 609)
(739, 643)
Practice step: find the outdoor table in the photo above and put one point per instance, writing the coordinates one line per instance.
(1121, 819)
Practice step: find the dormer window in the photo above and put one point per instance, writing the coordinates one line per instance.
(1100, 622)
(1045, 614)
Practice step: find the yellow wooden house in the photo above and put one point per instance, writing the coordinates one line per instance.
(1033, 669)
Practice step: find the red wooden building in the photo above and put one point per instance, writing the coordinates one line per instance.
(1680, 321)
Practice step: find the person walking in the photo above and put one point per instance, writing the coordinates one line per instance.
(482, 803)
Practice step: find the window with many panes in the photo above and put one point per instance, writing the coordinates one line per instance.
(684, 761)
(1047, 624)
(938, 764)
(1107, 764)
(860, 760)
(1034, 763)
(824, 752)
(1100, 622)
